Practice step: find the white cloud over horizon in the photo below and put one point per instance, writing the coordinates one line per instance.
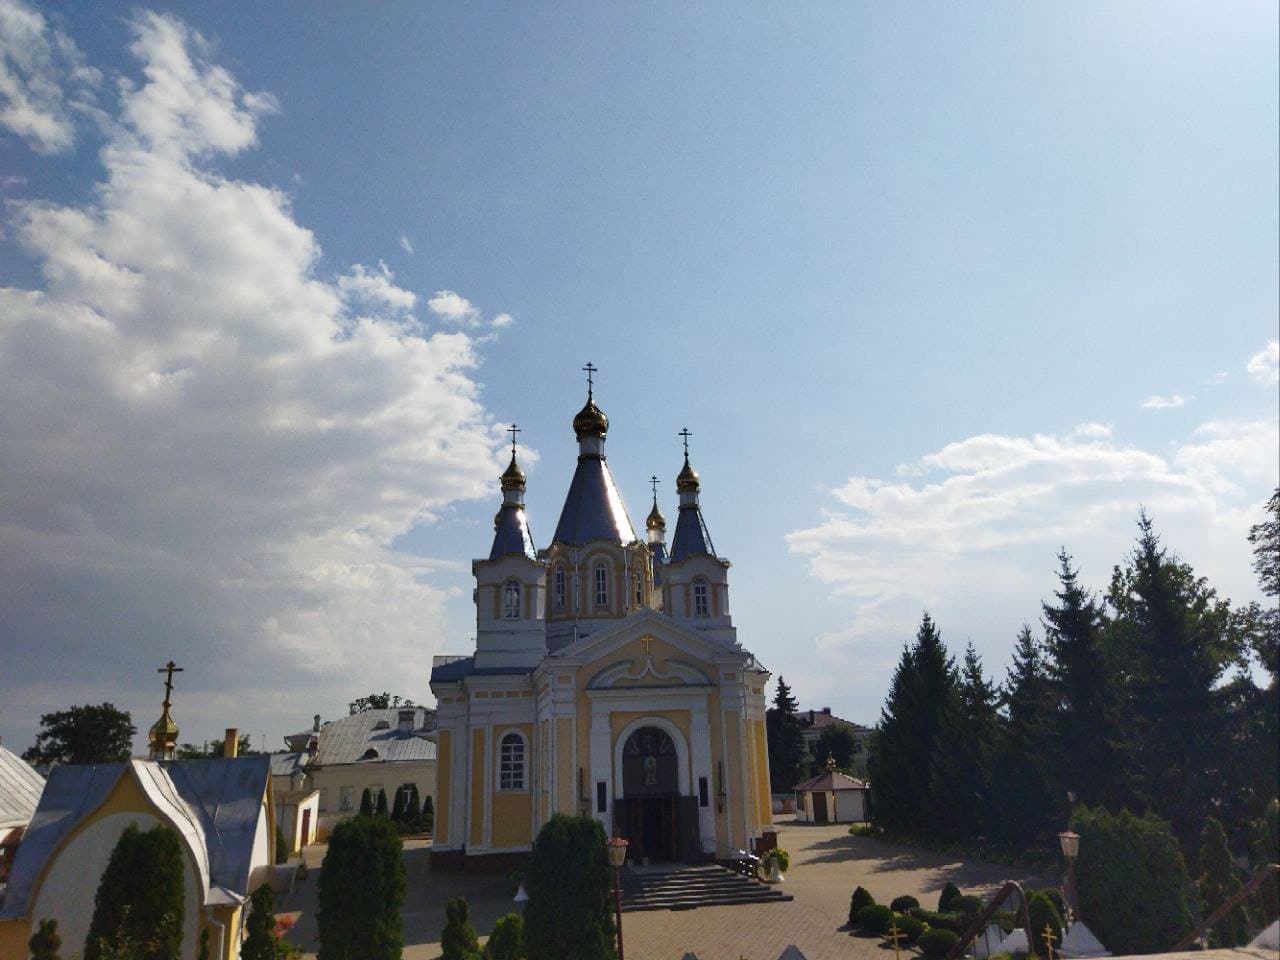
(1264, 366)
(973, 535)
(1156, 402)
(453, 307)
(209, 448)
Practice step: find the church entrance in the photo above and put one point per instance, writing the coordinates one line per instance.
(659, 823)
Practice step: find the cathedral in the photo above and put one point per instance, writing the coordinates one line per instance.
(607, 680)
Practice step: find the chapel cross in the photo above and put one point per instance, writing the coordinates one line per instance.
(686, 435)
(590, 368)
(653, 482)
(169, 669)
(895, 936)
(513, 430)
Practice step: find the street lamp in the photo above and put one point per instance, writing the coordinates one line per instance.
(617, 850)
(1070, 841)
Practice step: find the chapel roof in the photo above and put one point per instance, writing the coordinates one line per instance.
(691, 536)
(832, 780)
(20, 788)
(511, 533)
(350, 739)
(593, 508)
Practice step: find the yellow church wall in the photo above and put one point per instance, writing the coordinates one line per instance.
(511, 819)
(477, 787)
(566, 776)
(14, 935)
(444, 783)
(764, 800)
(733, 778)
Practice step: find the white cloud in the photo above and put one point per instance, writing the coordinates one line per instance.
(975, 541)
(405, 245)
(1264, 366)
(208, 448)
(1156, 402)
(453, 307)
(44, 80)
(503, 320)
(1093, 431)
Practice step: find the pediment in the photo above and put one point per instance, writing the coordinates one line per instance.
(649, 670)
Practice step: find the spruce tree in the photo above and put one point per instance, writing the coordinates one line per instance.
(260, 926)
(140, 897)
(786, 743)
(960, 774)
(569, 915)
(45, 943)
(397, 808)
(380, 808)
(413, 810)
(361, 892)
(1217, 883)
(428, 814)
(366, 803)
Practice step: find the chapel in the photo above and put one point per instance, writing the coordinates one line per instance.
(607, 679)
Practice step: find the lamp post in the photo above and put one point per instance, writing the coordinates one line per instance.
(1070, 841)
(617, 850)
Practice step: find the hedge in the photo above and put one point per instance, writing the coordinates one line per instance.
(949, 893)
(861, 898)
(904, 903)
(935, 944)
(875, 918)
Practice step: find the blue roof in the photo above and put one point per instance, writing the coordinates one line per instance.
(691, 536)
(511, 533)
(462, 667)
(593, 509)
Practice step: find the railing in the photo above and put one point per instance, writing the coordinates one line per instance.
(980, 922)
(1262, 873)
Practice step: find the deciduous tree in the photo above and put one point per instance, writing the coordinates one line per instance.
(85, 734)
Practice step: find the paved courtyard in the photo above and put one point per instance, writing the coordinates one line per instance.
(826, 865)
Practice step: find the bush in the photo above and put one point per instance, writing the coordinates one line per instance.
(1217, 883)
(458, 940)
(969, 905)
(957, 923)
(1266, 849)
(949, 893)
(140, 897)
(1057, 899)
(507, 940)
(861, 898)
(569, 915)
(282, 847)
(45, 943)
(875, 918)
(361, 892)
(904, 903)
(936, 943)
(366, 803)
(380, 808)
(412, 816)
(1131, 880)
(865, 830)
(1041, 913)
(781, 856)
(909, 926)
(260, 927)
(428, 814)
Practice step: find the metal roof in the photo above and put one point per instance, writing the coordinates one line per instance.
(20, 788)
(287, 764)
(457, 668)
(835, 780)
(351, 739)
(691, 537)
(593, 508)
(213, 804)
(511, 533)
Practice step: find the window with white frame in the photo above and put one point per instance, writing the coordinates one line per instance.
(602, 584)
(701, 598)
(511, 762)
(557, 587)
(511, 600)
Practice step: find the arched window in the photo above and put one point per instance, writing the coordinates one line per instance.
(602, 585)
(557, 587)
(511, 600)
(701, 598)
(511, 762)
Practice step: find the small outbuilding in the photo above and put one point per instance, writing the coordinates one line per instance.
(832, 797)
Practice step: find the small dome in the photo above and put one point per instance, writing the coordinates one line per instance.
(590, 421)
(655, 520)
(688, 478)
(163, 733)
(513, 477)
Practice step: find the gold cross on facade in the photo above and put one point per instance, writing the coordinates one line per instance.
(169, 669)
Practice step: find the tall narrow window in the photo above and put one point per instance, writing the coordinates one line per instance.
(511, 762)
(602, 585)
(511, 600)
(701, 599)
(557, 587)
(639, 589)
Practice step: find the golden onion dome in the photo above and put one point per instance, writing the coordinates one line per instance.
(164, 732)
(590, 421)
(513, 477)
(688, 479)
(655, 520)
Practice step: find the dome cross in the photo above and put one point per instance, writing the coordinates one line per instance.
(590, 369)
(685, 434)
(513, 430)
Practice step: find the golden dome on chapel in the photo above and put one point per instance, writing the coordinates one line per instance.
(163, 735)
(590, 421)
(513, 477)
(655, 520)
(687, 479)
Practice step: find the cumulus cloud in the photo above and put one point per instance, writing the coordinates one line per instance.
(1156, 402)
(503, 320)
(405, 245)
(44, 80)
(208, 447)
(1264, 366)
(974, 538)
(453, 307)
(1093, 431)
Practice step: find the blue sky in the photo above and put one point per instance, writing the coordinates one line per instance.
(937, 289)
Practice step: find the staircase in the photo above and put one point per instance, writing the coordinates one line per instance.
(690, 887)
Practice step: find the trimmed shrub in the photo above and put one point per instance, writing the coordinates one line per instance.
(949, 893)
(260, 927)
(569, 915)
(1132, 881)
(380, 808)
(875, 918)
(861, 898)
(908, 926)
(458, 940)
(139, 904)
(398, 805)
(45, 943)
(1006, 919)
(936, 943)
(412, 817)
(507, 940)
(361, 892)
(957, 923)
(428, 814)
(1057, 899)
(1041, 913)
(1217, 883)
(366, 803)
(282, 847)
(904, 903)
(781, 856)
(966, 904)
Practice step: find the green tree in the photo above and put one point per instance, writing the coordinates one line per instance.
(428, 814)
(260, 927)
(1042, 914)
(569, 914)
(458, 940)
(397, 808)
(361, 892)
(922, 686)
(1217, 883)
(960, 763)
(837, 742)
(218, 748)
(140, 897)
(786, 742)
(378, 701)
(380, 807)
(87, 734)
(45, 943)
(507, 940)
(413, 810)
(1265, 537)
(1264, 848)
(282, 846)
(366, 803)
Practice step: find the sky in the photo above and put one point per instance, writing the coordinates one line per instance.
(939, 290)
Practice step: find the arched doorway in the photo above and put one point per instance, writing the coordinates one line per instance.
(649, 813)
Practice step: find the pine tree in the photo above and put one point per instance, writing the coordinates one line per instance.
(413, 810)
(397, 808)
(260, 927)
(361, 892)
(140, 896)
(1217, 883)
(1081, 689)
(960, 776)
(786, 743)
(366, 803)
(380, 808)
(45, 943)
(458, 940)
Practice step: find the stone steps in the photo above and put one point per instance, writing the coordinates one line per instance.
(687, 888)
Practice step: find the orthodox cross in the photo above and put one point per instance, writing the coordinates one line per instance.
(513, 430)
(686, 435)
(169, 669)
(1048, 939)
(895, 937)
(653, 482)
(590, 368)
